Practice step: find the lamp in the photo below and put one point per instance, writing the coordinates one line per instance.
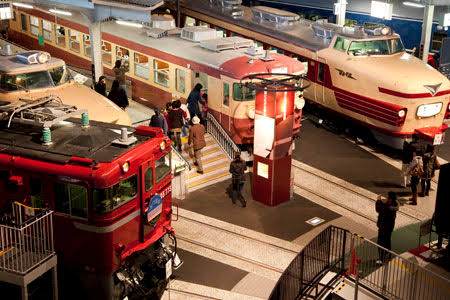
(120, 22)
(61, 12)
(381, 10)
(413, 4)
(22, 5)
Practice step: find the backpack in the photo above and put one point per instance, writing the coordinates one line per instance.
(418, 169)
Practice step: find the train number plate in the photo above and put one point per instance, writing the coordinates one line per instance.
(168, 268)
(437, 139)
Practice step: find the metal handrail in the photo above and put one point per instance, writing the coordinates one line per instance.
(174, 149)
(216, 130)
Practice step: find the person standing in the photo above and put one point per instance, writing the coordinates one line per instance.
(193, 99)
(118, 95)
(176, 117)
(430, 164)
(197, 139)
(119, 73)
(387, 211)
(158, 120)
(237, 170)
(407, 155)
(100, 86)
(415, 169)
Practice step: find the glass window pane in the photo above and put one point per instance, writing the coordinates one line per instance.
(162, 167)
(78, 197)
(87, 45)
(127, 190)
(106, 53)
(148, 178)
(23, 22)
(47, 30)
(36, 192)
(24, 81)
(62, 197)
(320, 75)
(226, 94)
(243, 93)
(74, 40)
(60, 33)
(59, 75)
(141, 65)
(180, 80)
(161, 72)
(34, 25)
(122, 53)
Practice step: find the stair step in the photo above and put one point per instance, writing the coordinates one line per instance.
(210, 168)
(206, 182)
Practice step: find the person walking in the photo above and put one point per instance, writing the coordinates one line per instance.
(100, 86)
(387, 211)
(119, 73)
(407, 155)
(415, 169)
(237, 170)
(430, 164)
(197, 139)
(158, 120)
(176, 117)
(193, 99)
(118, 95)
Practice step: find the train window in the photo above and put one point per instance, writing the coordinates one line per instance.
(377, 47)
(74, 40)
(60, 75)
(87, 44)
(242, 93)
(26, 81)
(36, 192)
(221, 32)
(60, 33)
(110, 198)
(320, 74)
(341, 43)
(226, 94)
(148, 178)
(23, 22)
(34, 25)
(70, 199)
(162, 167)
(47, 30)
(106, 53)
(141, 65)
(14, 16)
(161, 72)
(189, 21)
(122, 53)
(180, 80)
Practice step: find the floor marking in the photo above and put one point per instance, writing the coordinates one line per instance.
(198, 183)
(209, 171)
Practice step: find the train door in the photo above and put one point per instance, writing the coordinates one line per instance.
(225, 109)
(320, 81)
(148, 203)
(202, 78)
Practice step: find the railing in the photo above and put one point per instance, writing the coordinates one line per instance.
(222, 137)
(371, 266)
(25, 242)
(181, 157)
(145, 122)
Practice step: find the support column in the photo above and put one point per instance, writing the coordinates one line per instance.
(96, 50)
(426, 31)
(340, 17)
(24, 292)
(55, 283)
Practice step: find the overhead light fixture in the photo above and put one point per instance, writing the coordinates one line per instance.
(382, 10)
(60, 12)
(413, 4)
(18, 4)
(120, 22)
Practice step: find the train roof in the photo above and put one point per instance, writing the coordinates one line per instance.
(298, 32)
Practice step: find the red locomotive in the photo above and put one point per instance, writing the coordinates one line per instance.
(109, 187)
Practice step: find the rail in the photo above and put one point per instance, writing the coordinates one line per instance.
(181, 157)
(26, 238)
(216, 130)
(336, 251)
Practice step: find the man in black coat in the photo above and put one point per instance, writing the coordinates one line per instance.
(158, 120)
(237, 170)
(100, 86)
(387, 210)
(176, 118)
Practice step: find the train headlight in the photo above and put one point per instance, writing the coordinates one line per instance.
(251, 112)
(43, 58)
(401, 113)
(125, 167)
(162, 146)
(385, 31)
(299, 103)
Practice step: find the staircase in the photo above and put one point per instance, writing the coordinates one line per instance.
(216, 164)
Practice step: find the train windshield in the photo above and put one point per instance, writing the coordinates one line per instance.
(162, 168)
(34, 80)
(114, 196)
(376, 47)
(243, 93)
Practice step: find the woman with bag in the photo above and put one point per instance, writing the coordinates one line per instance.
(430, 164)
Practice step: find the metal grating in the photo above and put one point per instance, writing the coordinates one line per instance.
(227, 43)
(198, 33)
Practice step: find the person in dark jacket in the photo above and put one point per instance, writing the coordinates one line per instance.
(100, 86)
(193, 99)
(429, 164)
(118, 95)
(197, 139)
(119, 73)
(387, 211)
(237, 170)
(158, 120)
(176, 117)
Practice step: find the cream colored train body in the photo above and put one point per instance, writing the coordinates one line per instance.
(22, 76)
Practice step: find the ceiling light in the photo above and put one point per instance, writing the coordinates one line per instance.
(129, 24)
(413, 4)
(61, 12)
(22, 5)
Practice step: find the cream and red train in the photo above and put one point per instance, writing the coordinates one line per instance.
(362, 74)
(161, 65)
(33, 74)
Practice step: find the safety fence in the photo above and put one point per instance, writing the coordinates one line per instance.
(26, 238)
(337, 252)
(216, 130)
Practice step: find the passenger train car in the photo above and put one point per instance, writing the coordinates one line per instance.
(164, 62)
(360, 73)
(109, 187)
(34, 74)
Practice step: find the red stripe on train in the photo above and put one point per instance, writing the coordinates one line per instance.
(406, 95)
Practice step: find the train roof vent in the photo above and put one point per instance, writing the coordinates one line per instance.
(156, 33)
(226, 3)
(198, 33)
(162, 22)
(232, 42)
(254, 51)
(324, 29)
(273, 15)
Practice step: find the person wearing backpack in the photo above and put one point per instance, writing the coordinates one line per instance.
(415, 169)
(430, 164)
